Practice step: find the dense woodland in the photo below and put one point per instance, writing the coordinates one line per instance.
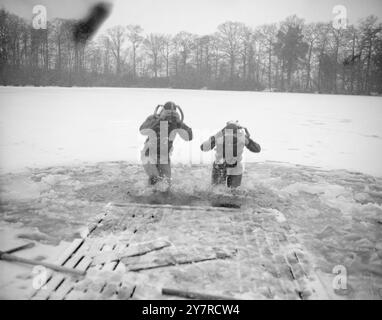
(289, 56)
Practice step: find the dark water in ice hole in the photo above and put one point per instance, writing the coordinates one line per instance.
(177, 199)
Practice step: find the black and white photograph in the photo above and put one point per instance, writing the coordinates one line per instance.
(190, 150)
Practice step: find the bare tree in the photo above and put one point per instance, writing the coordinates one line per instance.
(154, 44)
(245, 48)
(167, 49)
(288, 56)
(229, 35)
(311, 35)
(117, 37)
(290, 47)
(134, 33)
(185, 44)
(369, 31)
(267, 35)
(215, 55)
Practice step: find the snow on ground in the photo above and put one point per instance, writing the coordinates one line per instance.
(17, 280)
(337, 215)
(53, 181)
(52, 126)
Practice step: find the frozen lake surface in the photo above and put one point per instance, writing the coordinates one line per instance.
(336, 214)
(55, 126)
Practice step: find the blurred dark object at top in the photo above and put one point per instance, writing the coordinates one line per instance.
(87, 27)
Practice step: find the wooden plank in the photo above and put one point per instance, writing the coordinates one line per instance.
(281, 282)
(48, 265)
(98, 219)
(69, 251)
(124, 291)
(133, 250)
(69, 286)
(56, 279)
(173, 207)
(193, 295)
(92, 292)
(157, 263)
(68, 259)
(76, 243)
(22, 247)
(69, 283)
(110, 288)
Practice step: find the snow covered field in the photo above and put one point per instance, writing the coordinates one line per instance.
(54, 126)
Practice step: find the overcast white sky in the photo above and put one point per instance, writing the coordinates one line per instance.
(199, 16)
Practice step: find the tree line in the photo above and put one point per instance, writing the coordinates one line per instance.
(291, 56)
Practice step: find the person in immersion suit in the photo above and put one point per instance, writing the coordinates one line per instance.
(229, 144)
(161, 130)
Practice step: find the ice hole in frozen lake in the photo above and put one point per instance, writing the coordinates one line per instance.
(186, 200)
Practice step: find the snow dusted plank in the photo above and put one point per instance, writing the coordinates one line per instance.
(58, 278)
(69, 259)
(70, 287)
(139, 249)
(264, 243)
(111, 284)
(60, 261)
(126, 286)
(267, 235)
(176, 207)
(99, 219)
(194, 295)
(312, 288)
(110, 288)
(69, 283)
(174, 261)
(86, 288)
(64, 281)
(93, 288)
(125, 291)
(136, 249)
